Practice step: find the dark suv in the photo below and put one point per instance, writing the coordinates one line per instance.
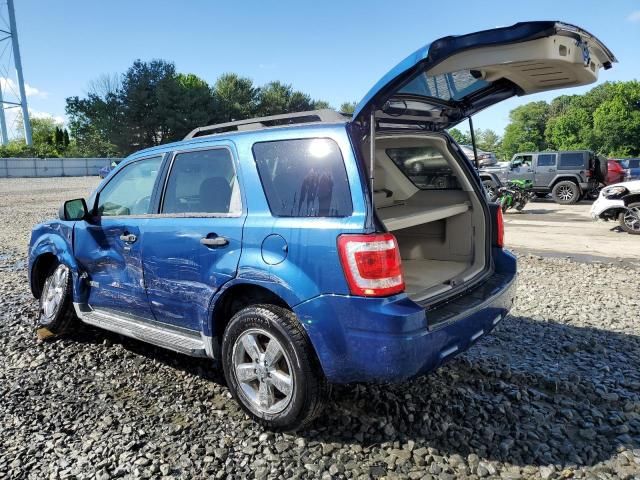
(307, 249)
(568, 175)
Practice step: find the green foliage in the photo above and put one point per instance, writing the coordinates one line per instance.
(526, 129)
(606, 120)
(460, 137)
(153, 104)
(50, 139)
(348, 107)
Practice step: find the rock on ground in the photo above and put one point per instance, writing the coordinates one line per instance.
(554, 392)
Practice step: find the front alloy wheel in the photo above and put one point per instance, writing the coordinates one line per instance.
(630, 219)
(56, 305)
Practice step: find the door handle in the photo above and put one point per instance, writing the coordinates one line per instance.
(529, 170)
(552, 169)
(216, 241)
(128, 237)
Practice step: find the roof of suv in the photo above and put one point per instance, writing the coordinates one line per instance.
(272, 121)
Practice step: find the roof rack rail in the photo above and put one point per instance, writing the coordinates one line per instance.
(325, 115)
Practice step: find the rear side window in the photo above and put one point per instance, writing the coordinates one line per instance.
(304, 178)
(425, 166)
(546, 160)
(202, 181)
(571, 161)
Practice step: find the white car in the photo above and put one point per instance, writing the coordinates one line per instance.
(620, 201)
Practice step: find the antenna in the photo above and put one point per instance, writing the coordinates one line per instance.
(10, 50)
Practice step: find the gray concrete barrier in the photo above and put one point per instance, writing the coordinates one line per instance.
(52, 167)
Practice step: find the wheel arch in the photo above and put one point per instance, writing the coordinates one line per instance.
(48, 251)
(562, 178)
(236, 297)
(631, 198)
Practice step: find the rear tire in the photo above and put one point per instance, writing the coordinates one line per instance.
(630, 220)
(272, 369)
(566, 193)
(56, 303)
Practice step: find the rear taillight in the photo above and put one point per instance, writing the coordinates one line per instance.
(499, 228)
(371, 264)
(588, 173)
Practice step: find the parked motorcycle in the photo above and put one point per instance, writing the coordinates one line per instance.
(516, 194)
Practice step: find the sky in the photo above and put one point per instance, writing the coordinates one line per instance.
(332, 50)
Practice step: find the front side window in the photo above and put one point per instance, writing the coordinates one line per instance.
(546, 160)
(202, 181)
(129, 192)
(426, 167)
(570, 161)
(525, 160)
(304, 178)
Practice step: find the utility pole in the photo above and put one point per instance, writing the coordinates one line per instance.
(11, 35)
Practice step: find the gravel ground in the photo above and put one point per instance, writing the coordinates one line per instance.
(553, 393)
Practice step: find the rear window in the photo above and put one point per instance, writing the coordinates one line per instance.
(570, 161)
(546, 159)
(447, 86)
(304, 178)
(425, 167)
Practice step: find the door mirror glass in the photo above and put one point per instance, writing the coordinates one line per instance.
(74, 210)
(515, 164)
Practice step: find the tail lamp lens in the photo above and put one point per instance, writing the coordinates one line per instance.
(499, 228)
(371, 264)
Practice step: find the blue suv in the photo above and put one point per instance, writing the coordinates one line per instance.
(307, 249)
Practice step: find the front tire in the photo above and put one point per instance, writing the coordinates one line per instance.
(56, 303)
(566, 193)
(491, 189)
(630, 219)
(272, 369)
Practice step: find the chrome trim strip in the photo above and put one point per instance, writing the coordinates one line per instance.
(477, 335)
(448, 352)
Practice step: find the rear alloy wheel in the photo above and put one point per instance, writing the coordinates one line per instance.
(490, 188)
(272, 369)
(566, 193)
(630, 219)
(56, 309)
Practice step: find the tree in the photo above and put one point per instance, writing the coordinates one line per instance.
(276, 98)
(348, 107)
(616, 122)
(151, 104)
(488, 140)
(460, 137)
(526, 129)
(234, 98)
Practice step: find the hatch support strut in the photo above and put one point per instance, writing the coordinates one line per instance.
(473, 143)
(372, 149)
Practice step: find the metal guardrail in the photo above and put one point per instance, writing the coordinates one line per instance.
(52, 167)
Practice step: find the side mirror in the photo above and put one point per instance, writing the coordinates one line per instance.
(515, 165)
(74, 210)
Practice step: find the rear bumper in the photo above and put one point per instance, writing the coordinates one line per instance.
(361, 339)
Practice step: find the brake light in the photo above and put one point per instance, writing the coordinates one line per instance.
(371, 264)
(499, 228)
(588, 173)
